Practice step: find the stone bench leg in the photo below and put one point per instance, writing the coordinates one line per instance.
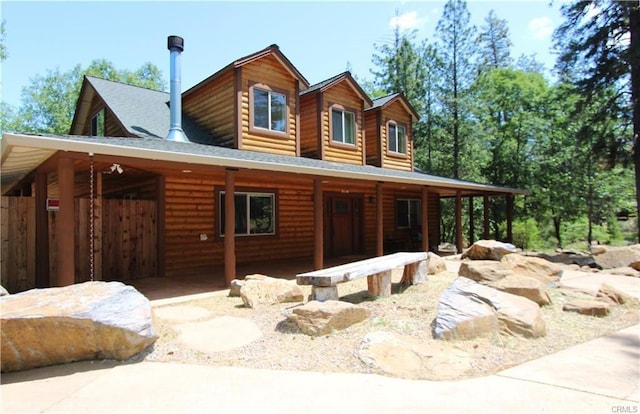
(323, 294)
(380, 284)
(415, 273)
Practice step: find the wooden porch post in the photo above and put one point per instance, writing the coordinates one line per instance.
(42, 232)
(229, 227)
(379, 221)
(65, 225)
(459, 221)
(318, 225)
(425, 219)
(97, 230)
(471, 219)
(510, 218)
(161, 203)
(485, 227)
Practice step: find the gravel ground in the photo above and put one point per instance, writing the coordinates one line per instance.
(410, 312)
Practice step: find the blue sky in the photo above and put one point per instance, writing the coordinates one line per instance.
(320, 38)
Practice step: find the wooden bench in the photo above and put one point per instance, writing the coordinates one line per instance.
(377, 271)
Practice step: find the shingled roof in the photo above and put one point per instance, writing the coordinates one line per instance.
(142, 112)
(344, 76)
(386, 100)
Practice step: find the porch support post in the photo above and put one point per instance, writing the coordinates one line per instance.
(510, 218)
(471, 219)
(318, 225)
(425, 219)
(65, 225)
(229, 226)
(485, 226)
(161, 225)
(42, 232)
(379, 221)
(97, 230)
(459, 221)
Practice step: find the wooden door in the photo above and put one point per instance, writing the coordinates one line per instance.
(343, 233)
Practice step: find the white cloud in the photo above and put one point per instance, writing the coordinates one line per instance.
(541, 27)
(406, 21)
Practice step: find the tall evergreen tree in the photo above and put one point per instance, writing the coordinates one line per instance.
(456, 44)
(494, 43)
(599, 45)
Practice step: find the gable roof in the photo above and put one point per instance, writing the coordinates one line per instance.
(21, 154)
(342, 77)
(142, 112)
(385, 101)
(273, 50)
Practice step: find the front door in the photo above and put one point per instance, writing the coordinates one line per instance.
(343, 236)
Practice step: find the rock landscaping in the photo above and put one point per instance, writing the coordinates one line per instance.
(92, 320)
(450, 327)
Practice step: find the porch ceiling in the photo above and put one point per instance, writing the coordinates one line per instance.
(22, 154)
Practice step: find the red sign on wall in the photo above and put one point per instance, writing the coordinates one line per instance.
(53, 204)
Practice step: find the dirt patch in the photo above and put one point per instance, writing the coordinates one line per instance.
(408, 312)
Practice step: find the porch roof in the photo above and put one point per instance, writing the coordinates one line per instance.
(22, 153)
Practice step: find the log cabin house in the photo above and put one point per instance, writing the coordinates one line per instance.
(314, 171)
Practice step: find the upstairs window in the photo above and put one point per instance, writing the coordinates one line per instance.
(397, 138)
(255, 213)
(408, 213)
(97, 124)
(269, 110)
(343, 126)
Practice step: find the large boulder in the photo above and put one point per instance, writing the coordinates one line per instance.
(570, 258)
(468, 309)
(587, 307)
(435, 264)
(483, 270)
(320, 318)
(260, 290)
(91, 320)
(410, 357)
(622, 271)
(533, 267)
(612, 295)
(527, 287)
(608, 257)
(489, 250)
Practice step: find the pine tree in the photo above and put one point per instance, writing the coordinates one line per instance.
(599, 45)
(494, 43)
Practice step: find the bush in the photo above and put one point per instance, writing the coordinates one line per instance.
(526, 234)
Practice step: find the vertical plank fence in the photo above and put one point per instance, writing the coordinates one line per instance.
(125, 241)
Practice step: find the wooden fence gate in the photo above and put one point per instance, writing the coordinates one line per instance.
(125, 241)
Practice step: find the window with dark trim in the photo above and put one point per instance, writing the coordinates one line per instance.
(408, 213)
(396, 138)
(255, 213)
(97, 124)
(268, 109)
(343, 126)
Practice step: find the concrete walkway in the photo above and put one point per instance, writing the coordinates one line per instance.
(599, 376)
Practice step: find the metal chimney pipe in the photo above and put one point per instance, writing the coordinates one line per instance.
(176, 46)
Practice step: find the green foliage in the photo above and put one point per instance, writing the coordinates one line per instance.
(49, 102)
(526, 234)
(494, 43)
(3, 39)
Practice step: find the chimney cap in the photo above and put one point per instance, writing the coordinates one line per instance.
(175, 43)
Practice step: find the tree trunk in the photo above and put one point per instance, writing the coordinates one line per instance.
(634, 48)
(556, 229)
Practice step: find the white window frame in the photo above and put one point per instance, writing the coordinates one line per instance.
(394, 138)
(269, 110)
(342, 139)
(248, 195)
(410, 202)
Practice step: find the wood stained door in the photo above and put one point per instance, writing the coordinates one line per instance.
(344, 236)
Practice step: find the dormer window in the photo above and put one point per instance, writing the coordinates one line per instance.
(268, 110)
(396, 138)
(97, 124)
(343, 126)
